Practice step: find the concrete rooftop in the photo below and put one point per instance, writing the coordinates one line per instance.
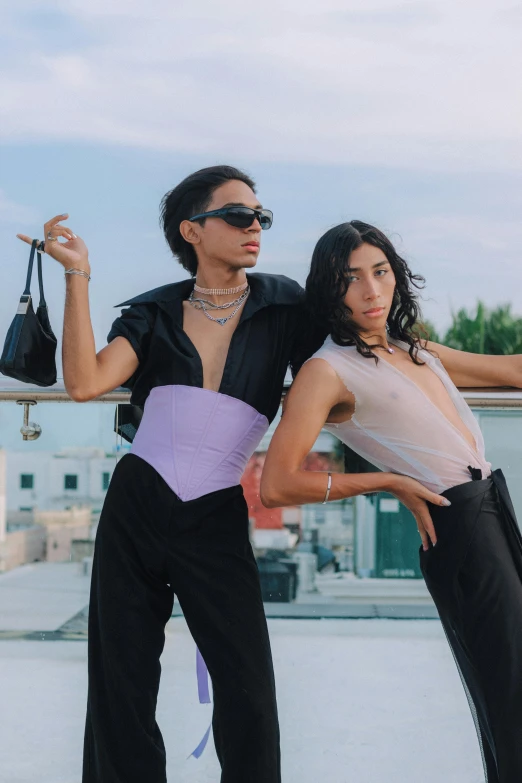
(360, 701)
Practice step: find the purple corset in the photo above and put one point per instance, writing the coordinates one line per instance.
(198, 440)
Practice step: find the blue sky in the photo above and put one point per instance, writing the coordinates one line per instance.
(407, 115)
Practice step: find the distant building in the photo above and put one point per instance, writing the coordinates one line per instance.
(48, 500)
(78, 478)
(57, 480)
(333, 522)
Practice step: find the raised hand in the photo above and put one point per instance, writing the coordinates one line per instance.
(416, 498)
(71, 254)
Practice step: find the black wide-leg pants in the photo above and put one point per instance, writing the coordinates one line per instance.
(474, 574)
(149, 546)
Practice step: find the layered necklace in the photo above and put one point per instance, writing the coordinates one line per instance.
(199, 303)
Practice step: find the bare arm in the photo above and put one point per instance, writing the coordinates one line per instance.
(316, 390)
(475, 369)
(86, 373)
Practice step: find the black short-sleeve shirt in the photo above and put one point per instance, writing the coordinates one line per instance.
(262, 347)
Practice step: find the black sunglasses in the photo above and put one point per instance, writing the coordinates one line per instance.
(240, 217)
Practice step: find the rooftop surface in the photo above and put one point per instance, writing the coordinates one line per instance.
(360, 701)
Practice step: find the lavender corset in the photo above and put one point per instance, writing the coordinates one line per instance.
(198, 440)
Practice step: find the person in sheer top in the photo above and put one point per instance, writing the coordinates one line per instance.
(392, 396)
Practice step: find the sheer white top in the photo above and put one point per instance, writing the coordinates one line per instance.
(397, 427)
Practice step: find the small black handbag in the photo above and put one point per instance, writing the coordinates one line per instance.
(29, 353)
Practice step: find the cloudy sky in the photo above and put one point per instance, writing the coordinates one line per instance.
(407, 115)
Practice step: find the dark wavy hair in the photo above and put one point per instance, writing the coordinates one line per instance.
(328, 282)
(189, 198)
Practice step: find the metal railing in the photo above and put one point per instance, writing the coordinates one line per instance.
(24, 394)
(13, 391)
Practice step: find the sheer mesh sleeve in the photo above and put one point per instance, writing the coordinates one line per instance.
(135, 324)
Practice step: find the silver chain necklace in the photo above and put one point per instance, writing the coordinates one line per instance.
(200, 304)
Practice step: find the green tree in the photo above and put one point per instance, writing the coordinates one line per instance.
(486, 331)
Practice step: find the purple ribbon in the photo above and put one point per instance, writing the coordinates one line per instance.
(202, 745)
(204, 698)
(202, 676)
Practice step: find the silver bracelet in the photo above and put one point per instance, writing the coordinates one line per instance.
(328, 488)
(78, 272)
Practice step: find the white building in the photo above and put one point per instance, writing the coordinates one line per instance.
(47, 481)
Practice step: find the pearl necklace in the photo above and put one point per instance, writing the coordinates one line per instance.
(221, 291)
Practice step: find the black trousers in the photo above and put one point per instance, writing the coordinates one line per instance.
(474, 575)
(149, 546)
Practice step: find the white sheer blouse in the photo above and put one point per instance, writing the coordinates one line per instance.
(397, 427)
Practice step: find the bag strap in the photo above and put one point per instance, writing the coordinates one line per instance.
(43, 303)
(27, 290)
(26, 296)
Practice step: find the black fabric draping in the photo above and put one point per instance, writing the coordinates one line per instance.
(149, 546)
(263, 345)
(474, 574)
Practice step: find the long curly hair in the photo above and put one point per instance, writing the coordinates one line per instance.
(328, 282)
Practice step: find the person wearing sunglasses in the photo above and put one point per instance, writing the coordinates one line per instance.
(205, 359)
(239, 217)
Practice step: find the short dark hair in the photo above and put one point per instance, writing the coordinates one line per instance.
(189, 198)
(328, 282)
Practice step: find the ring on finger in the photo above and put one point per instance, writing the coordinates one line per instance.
(50, 237)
